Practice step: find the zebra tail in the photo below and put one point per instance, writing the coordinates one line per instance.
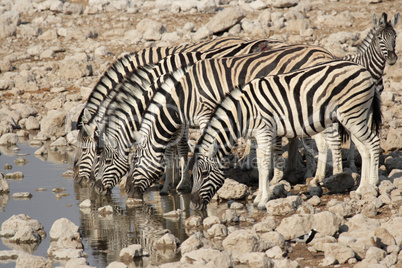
(343, 133)
(376, 120)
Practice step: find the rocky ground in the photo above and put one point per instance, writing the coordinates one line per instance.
(53, 52)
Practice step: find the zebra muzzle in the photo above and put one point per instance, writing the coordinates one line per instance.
(197, 202)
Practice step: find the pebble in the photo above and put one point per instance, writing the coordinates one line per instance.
(59, 190)
(22, 195)
(14, 176)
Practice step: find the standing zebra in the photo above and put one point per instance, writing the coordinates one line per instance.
(109, 84)
(296, 104)
(377, 49)
(123, 114)
(192, 99)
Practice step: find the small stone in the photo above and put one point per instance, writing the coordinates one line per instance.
(211, 220)
(68, 174)
(172, 214)
(193, 221)
(131, 252)
(14, 176)
(314, 200)
(167, 241)
(22, 195)
(59, 190)
(85, 204)
(106, 209)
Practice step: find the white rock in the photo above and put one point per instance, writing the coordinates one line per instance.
(274, 252)
(28, 261)
(131, 252)
(26, 234)
(55, 124)
(376, 254)
(32, 123)
(60, 142)
(283, 206)
(9, 21)
(231, 189)
(241, 242)
(193, 221)
(208, 257)
(85, 204)
(108, 209)
(295, 226)
(167, 241)
(255, 259)
(8, 138)
(271, 239)
(225, 19)
(282, 3)
(217, 230)
(4, 186)
(341, 253)
(22, 195)
(211, 220)
(8, 255)
(117, 264)
(63, 227)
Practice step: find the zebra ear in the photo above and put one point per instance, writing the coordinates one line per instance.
(139, 139)
(86, 116)
(395, 20)
(213, 149)
(383, 19)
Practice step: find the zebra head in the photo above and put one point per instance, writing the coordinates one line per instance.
(146, 168)
(85, 155)
(113, 164)
(386, 35)
(208, 177)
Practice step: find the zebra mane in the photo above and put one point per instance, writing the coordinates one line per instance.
(365, 44)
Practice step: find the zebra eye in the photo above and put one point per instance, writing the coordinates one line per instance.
(204, 173)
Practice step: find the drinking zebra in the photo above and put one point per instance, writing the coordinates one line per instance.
(295, 104)
(124, 112)
(109, 84)
(192, 99)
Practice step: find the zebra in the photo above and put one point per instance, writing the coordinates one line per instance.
(87, 123)
(192, 99)
(295, 104)
(124, 112)
(377, 49)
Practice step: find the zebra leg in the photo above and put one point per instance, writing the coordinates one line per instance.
(278, 162)
(264, 150)
(369, 149)
(292, 156)
(334, 141)
(169, 156)
(185, 182)
(322, 159)
(310, 160)
(351, 157)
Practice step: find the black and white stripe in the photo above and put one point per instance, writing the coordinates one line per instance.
(110, 83)
(125, 110)
(374, 52)
(192, 99)
(296, 104)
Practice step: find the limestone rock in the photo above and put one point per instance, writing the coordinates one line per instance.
(208, 257)
(231, 189)
(225, 19)
(283, 206)
(241, 242)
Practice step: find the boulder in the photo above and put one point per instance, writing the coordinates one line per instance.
(225, 19)
(342, 253)
(295, 226)
(28, 261)
(63, 227)
(9, 139)
(217, 231)
(339, 183)
(4, 186)
(283, 206)
(231, 189)
(240, 242)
